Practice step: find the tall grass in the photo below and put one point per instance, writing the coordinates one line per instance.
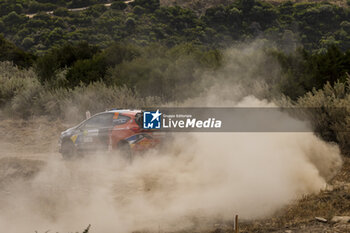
(22, 95)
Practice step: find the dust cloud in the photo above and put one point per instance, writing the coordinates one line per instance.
(193, 182)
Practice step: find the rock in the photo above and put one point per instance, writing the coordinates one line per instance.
(340, 219)
(288, 231)
(329, 188)
(320, 219)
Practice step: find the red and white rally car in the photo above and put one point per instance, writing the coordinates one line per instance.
(108, 131)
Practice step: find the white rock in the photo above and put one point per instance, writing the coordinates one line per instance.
(321, 219)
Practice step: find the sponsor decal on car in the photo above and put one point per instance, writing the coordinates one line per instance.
(152, 120)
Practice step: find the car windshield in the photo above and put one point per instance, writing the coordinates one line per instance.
(99, 121)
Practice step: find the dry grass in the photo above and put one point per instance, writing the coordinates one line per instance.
(38, 135)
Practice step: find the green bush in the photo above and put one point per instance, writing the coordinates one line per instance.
(302, 71)
(318, 25)
(10, 52)
(14, 81)
(27, 42)
(130, 23)
(331, 116)
(61, 12)
(35, 6)
(170, 74)
(150, 5)
(58, 58)
(118, 5)
(138, 10)
(86, 71)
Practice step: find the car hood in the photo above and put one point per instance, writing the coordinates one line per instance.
(68, 131)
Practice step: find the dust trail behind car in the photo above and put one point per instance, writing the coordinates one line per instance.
(192, 183)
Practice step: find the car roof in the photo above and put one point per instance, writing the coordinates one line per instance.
(124, 110)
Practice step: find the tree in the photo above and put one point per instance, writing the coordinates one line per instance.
(55, 34)
(130, 23)
(150, 5)
(9, 52)
(86, 71)
(61, 11)
(13, 19)
(138, 10)
(27, 42)
(64, 56)
(118, 5)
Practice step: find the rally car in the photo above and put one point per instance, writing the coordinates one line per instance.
(108, 131)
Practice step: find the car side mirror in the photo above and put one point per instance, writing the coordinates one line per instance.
(81, 129)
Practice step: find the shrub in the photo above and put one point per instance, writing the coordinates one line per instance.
(86, 71)
(23, 96)
(65, 56)
(130, 22)
(9, 52)
(150, 5)
(331, 118)
(27, 42)
(13, 81)
(61, 11)
(13, 19)
(138, 10)
(118, 5)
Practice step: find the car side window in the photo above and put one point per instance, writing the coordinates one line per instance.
(121, 120)
(99, 121)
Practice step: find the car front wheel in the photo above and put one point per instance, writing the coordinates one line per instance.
(69, 151)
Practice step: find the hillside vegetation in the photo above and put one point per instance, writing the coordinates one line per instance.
(314, 25)
(146, 53)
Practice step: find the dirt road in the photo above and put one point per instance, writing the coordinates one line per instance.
(36, 184)
(76, 9)
(33, 138)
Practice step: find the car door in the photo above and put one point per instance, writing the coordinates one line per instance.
(94, 133)
(121, 127)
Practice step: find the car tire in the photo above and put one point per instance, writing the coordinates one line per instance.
(69, 151)
(125, 151)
